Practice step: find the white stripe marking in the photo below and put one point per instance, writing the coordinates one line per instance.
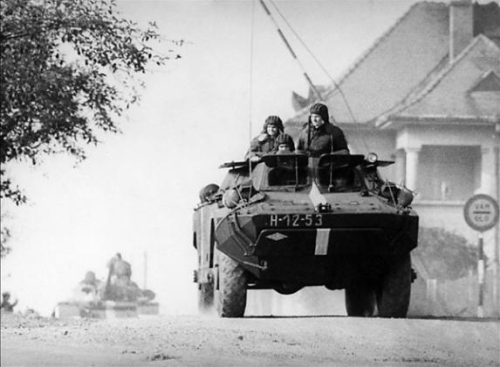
(316, 197)
(322, 236)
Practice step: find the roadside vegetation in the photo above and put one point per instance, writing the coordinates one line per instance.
(69, 70)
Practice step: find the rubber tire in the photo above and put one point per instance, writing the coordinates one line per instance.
(360, 301)
(287, 289)
(393, 295)
(206, 297)
(231, 295)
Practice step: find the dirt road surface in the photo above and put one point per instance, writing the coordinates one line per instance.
(252, 341)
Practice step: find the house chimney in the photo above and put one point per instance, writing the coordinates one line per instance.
(461, 26)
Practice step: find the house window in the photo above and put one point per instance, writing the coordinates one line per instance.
(448, 173)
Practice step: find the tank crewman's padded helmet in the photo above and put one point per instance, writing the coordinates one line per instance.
(321, 110)
(274, 120)
(284, 139)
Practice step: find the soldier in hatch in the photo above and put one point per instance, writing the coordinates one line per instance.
(320, 136)
(119, 268)
(88, 290)
(7, 305)
(119, 286)
(284, 144)
(265, 141)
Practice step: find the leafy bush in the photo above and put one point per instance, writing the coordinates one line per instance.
(445, 255)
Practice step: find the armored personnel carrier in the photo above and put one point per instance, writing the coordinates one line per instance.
(291, 221)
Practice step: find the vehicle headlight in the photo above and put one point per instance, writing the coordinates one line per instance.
(405, 197)
(372, 157)
(231, 198)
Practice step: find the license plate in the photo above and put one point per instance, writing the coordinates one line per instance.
(295, 220)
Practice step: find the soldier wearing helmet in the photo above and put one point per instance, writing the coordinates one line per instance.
(119, 285)
(265, 141)
(284, 143)
(7, 305)
(319, 135)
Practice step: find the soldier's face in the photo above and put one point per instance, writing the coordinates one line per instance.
(272, 130)
(316, 120)
(283, 148)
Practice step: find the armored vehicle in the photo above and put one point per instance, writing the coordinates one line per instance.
(291, 221)
(118, 297)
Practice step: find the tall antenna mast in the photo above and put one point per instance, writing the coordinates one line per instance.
(282, 36)
(145, 285)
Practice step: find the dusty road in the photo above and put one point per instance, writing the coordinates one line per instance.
(254, 341)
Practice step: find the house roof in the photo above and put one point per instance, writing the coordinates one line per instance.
(402, 63)
(465, 89)
(488, 82)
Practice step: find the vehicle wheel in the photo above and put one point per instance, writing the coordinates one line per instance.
(205, 297)
(360, 301)
(284, 288)
(231, 295)
(393, 296)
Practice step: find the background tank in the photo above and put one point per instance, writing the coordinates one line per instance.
(290, 221)
(117, 297)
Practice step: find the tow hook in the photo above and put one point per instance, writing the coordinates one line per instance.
(323, 208)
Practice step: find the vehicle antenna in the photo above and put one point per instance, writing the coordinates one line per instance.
(145, 285)
(250, 102)
(308, 133)
(296, 172)
(337, 87)
(330, 186)
(285, 41)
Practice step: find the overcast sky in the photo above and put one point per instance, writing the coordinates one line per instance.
(136, 192)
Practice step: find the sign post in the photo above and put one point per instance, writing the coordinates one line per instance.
(481, 214)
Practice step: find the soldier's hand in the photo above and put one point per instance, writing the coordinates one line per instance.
(262, 138)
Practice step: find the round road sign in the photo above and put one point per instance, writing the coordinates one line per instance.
(481, 212)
